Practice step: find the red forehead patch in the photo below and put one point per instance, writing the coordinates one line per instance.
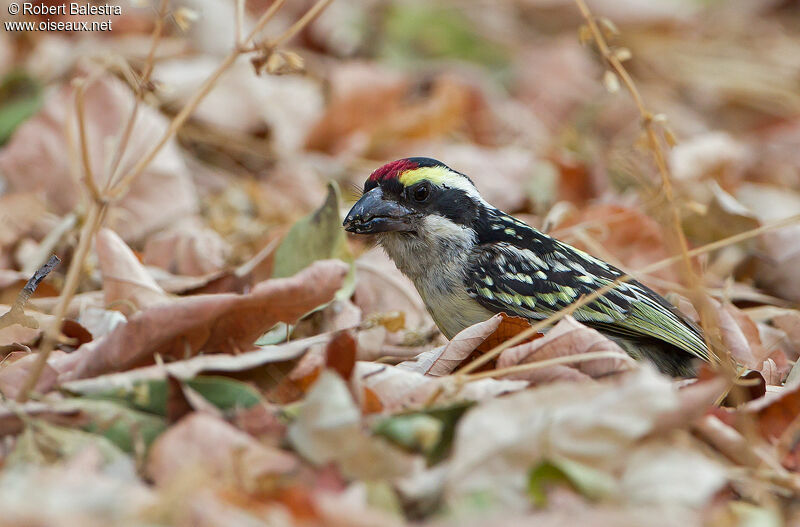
(393, 169)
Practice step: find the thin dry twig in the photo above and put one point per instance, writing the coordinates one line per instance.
(676, 238)
(142, 86)
(88, 174)
(538, 365)
(194, 101)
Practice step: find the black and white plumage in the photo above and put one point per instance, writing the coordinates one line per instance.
(469, 260)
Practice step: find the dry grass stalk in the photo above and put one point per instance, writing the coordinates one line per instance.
(675, 236)
(116, 188)
(538, 365)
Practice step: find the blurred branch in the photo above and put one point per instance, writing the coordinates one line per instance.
(142, 86)
(88, 175)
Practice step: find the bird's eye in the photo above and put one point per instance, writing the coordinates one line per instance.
(422, 192)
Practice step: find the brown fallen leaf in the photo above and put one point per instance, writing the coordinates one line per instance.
(660, 472)
(340, 354)
(510, 326)
(20, 214)
(568, 337)
(462, 345)
(206, 445)
(776, 269)
(265, 366)
(741, 338)
(80, 491)
(242, 102)
(571, 80)
(212, 323)
(723, 216)
(126, 283)
(381, 288)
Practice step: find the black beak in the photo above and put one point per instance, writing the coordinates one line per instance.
(372, 214)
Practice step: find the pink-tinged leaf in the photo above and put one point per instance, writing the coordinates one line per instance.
(740, 336)
(568, 337)
(462, 345)
(12, 421)
(125, 280)
(211, 323)
(187, 249)
(204, 444)
(398, 388)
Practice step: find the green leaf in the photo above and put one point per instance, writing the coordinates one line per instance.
(42, 443)
(416, 432)
(429, 431)
(151, 395)
(225, 393)
(556, 471)
(20, 98)
(318, 236)
(124, 427)
(279, 333)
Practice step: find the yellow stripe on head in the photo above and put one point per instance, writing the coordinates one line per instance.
(440, 176)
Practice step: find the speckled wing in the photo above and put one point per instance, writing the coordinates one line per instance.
(531, 275)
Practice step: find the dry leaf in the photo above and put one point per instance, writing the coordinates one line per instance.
(253, 364)
(212, 323)
(340, 354)
(242, 101)
(126, 283)
(328, 429)
(777, 269)
(187, 248)
(661, 472)
(568, 337)
(462, 345)
(592, 423)
(398, 388)
(202, 444)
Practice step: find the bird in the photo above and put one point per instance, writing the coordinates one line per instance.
(469, 261)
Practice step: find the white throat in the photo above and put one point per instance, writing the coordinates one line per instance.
(436, 259)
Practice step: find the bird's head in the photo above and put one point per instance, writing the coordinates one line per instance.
(414, 195)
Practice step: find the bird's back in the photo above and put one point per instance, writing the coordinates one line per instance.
(521, 271)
